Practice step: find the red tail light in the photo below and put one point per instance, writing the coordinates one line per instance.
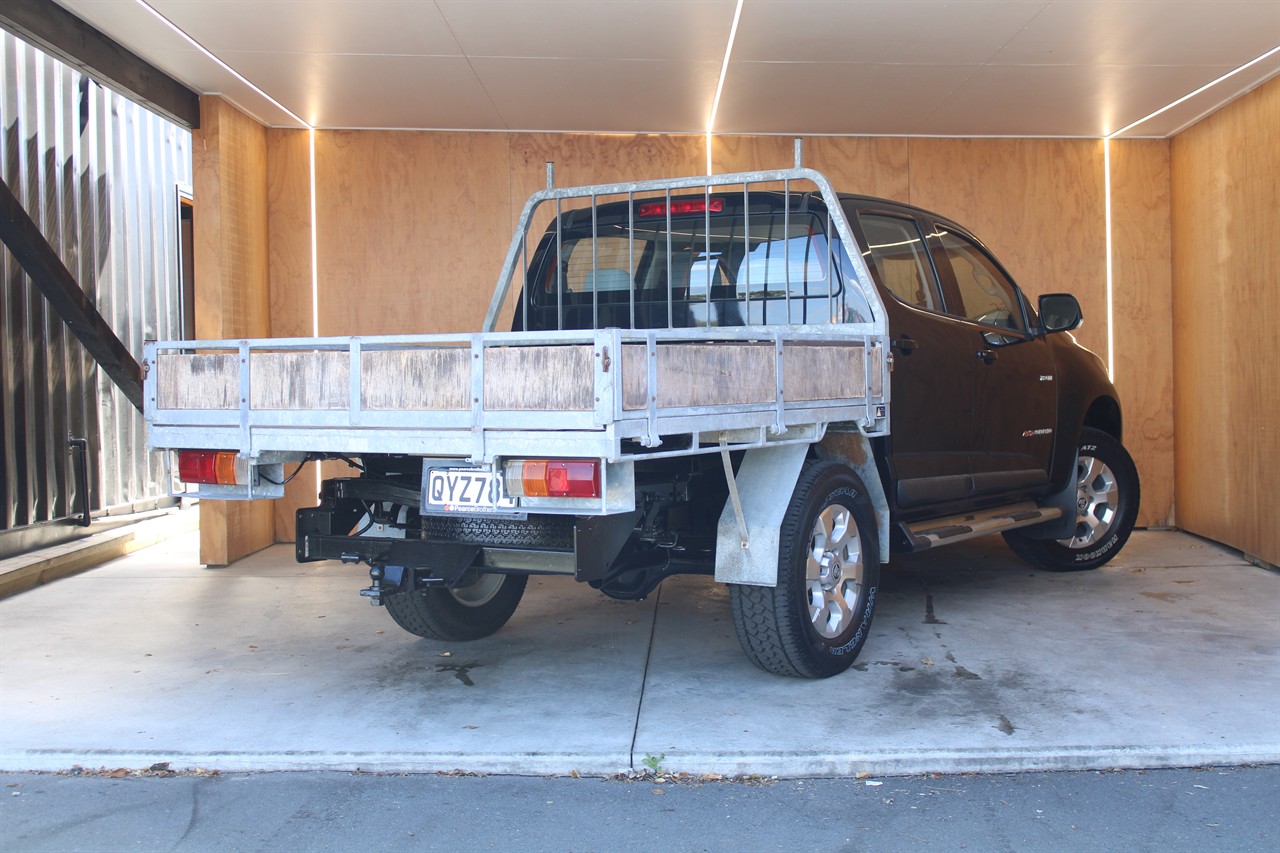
(679, 208)
(553, 478)
(210, 467)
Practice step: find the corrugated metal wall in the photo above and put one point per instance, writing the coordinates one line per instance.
(99, 175)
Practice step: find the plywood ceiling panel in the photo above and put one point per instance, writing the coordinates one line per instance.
(926, 67)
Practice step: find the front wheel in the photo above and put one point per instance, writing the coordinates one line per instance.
(813, 623)
(1107, 495)
(477, 607)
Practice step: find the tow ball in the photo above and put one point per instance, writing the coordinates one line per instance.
(386, 580)
(374, 590)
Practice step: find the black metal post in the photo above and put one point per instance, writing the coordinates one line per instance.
(82, 475)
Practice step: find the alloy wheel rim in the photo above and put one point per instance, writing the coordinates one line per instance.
(834, 571)
(1097, 502)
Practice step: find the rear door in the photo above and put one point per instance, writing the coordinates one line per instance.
(932, 433)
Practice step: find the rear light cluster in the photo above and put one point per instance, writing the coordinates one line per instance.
(679, 208)
(552, 478)
(211, 467)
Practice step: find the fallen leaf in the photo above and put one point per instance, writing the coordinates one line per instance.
(471, 727)
(863, 775)
(657, 791)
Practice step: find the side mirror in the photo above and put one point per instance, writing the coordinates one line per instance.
(1060, 312)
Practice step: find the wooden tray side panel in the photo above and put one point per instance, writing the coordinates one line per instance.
(299, 380)
(696, 375)
(824, 372)
(416, 379)
(539, 378)
(205, 381)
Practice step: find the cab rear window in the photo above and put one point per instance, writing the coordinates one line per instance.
(725, 269)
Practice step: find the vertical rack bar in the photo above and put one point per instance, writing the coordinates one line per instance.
(831, 273)
(631, 260)
(559, 270)
(595, 267)
(706, 251)
(524, 282)
(671, 311)
(786, 244)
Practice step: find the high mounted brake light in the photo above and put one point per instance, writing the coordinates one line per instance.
(552, 478)
(208, 467)
(679, 208)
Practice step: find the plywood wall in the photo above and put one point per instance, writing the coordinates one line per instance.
(289, 253)
(412, 228)
(1143, 315)
(229, 160)
(1226, 306)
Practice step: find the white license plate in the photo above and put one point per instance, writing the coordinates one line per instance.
(464, 490)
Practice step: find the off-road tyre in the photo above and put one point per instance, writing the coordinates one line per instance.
(1107, 499)
(813, 623)
(476, 608)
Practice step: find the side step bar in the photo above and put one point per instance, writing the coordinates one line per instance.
(924, 535)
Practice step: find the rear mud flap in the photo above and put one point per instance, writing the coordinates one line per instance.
(765, 481)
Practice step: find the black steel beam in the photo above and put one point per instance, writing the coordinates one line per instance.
(55, 30)
(55, 281)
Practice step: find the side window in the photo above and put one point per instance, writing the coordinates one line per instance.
(898, 254)
(987, 296)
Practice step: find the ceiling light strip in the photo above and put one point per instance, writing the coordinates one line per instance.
(724, 71)
(1106, 172)
(224, 66)
(1204, 88)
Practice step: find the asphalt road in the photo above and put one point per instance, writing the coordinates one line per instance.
(1220, 809)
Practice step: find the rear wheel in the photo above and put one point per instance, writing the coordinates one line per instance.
(477, 607)
(813, 623)
(1107, 495)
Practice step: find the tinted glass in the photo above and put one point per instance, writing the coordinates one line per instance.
(768, 268)
(987, 296)
(898, 254)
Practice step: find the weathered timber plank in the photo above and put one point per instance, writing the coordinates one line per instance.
(877, 371)
(539, 378)
(700, 375)
(299, 380)
(416, 379)
(204, 381)
(824, 372)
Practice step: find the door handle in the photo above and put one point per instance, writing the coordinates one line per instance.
(986, 356)
(905, 344)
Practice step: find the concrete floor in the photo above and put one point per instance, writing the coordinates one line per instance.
(1169, 656)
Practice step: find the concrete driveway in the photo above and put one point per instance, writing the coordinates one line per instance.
(1170, 656)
